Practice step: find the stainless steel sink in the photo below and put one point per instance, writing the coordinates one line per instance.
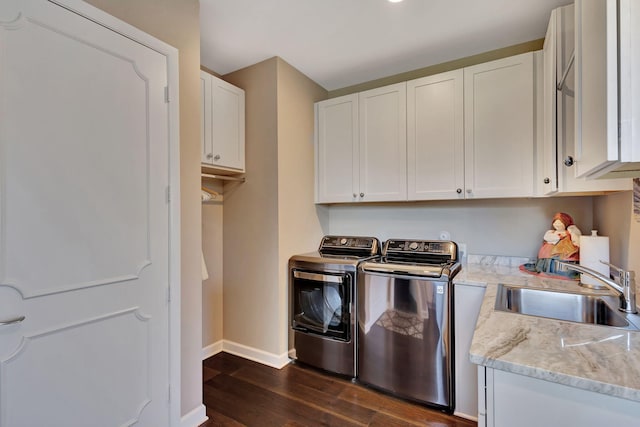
(572, 307)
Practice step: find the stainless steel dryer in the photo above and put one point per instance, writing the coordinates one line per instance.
(322, 298)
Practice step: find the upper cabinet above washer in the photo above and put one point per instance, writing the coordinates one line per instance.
(223, 124)
(607, 61)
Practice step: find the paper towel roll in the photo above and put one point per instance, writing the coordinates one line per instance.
(593, 249)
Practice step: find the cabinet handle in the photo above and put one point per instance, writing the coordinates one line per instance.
(361, 194)
(217, 157)
(468, 191)
(459, 190)
(355, 195)
(547, 181)
(209, 156)
(12, 321)
(568, 161)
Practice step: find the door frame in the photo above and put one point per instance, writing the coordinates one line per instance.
(173, 193)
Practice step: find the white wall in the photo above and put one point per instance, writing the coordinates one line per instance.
(510, 227)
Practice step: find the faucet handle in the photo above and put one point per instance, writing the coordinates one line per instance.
(618, 270)
(625, 278)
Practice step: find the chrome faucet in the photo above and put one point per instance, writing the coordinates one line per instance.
(626, 289)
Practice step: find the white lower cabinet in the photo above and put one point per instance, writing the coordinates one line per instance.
(467, 302)
(518, 400)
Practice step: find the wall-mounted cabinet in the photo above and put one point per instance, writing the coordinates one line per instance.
(470, 132)
(499, 128)
(558, 168)
(223, 124)
(361, 146)
(607, 61)
(435, 137)
(466, 133)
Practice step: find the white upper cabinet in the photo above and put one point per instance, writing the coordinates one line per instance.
(499, 128)
(435, 137)
(383, 143)
(361, 149)
(337, 150)
(607, 88)
(467, 133)
(558, 167)
(223, 124)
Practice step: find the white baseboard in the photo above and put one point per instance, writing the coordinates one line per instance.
(465, 416)
(195, 417)
(257, 355)
(212, 349)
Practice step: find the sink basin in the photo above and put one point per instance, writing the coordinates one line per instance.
(572, 307)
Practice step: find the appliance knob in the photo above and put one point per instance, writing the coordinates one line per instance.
(459, 190)
(413, 246)
(468, 191)
(210, 156)
(217, 157)
(568, 161)
(547, 181)
(343, 241)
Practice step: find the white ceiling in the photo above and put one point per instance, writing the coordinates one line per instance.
(339, 43)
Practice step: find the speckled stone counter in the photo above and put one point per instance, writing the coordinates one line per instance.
(595, 358)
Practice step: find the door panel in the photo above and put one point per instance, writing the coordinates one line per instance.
(84, 222)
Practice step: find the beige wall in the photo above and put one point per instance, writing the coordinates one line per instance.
(613, 217)
(177, 23)
(251, 219)
(271, 216)
(508, 227)
(299, 222)
(212, 232)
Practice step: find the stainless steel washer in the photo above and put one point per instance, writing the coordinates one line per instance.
(405, 321)
(322, 298)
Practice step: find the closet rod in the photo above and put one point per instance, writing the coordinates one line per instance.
(223, 177)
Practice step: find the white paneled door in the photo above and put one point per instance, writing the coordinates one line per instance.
(84, 222)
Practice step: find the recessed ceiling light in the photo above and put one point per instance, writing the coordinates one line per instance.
(395, 1)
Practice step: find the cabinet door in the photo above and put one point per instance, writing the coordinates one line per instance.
(549, 146)
(383, 143)
(565, 114)
(608, 97)
(206, 150)
(499, 123)
(337, 149)
(435, 137)
(597, 85)
(467, 302)
(523, 401)
(227, 125)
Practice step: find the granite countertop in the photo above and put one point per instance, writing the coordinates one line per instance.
(595, 358)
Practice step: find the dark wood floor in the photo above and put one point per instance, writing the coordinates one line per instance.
(239, 392)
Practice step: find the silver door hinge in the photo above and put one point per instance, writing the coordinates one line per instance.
(166, 94)
(168, 191)
(168, 294)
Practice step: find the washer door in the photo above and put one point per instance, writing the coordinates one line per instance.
(321, 303)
